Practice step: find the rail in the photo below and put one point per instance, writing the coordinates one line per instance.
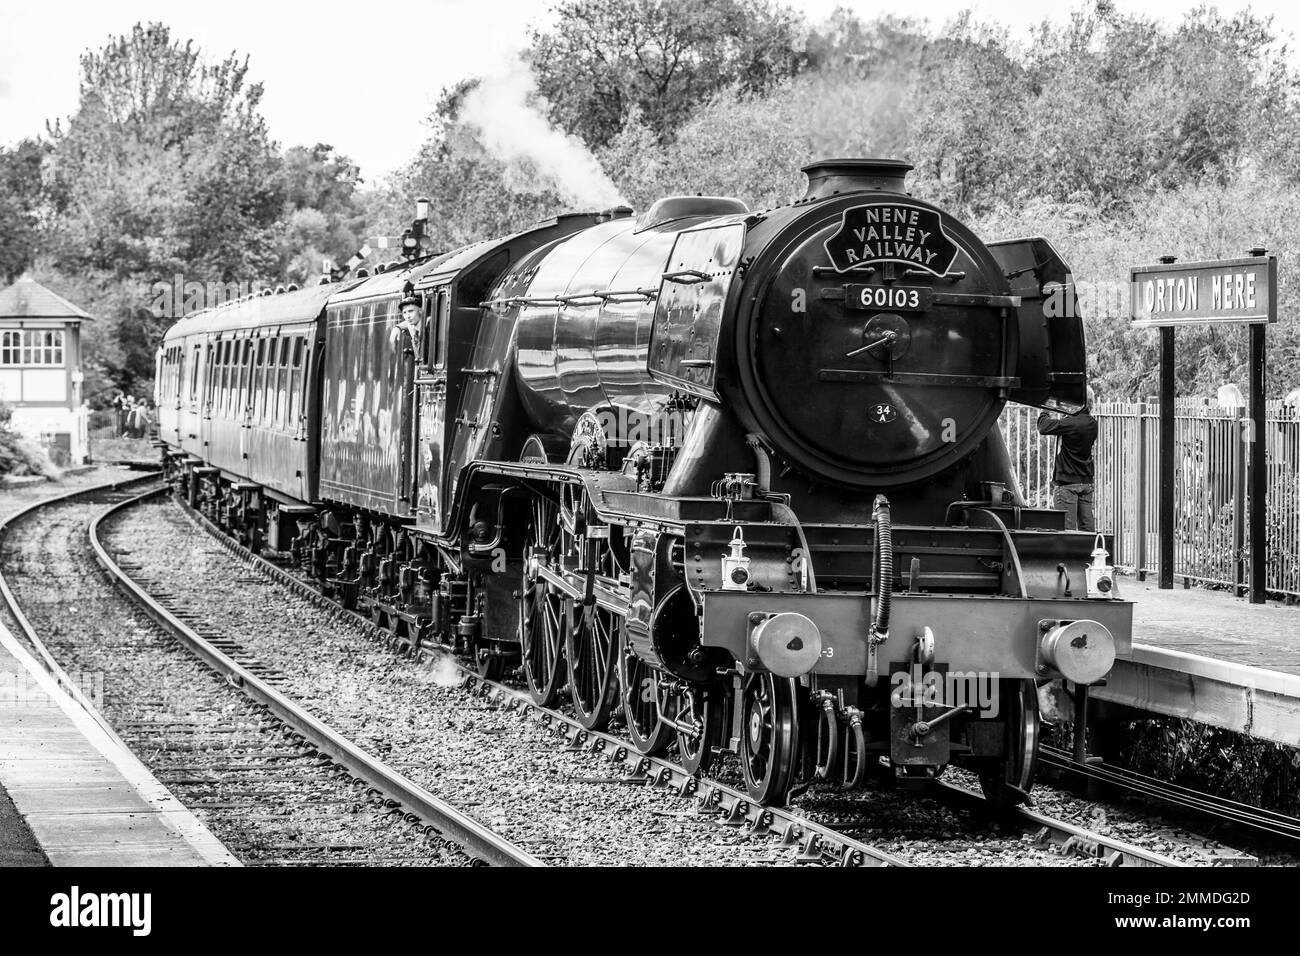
(473, 837)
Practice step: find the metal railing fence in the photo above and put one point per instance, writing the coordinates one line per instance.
(1211, 511)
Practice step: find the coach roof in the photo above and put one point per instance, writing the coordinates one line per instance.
(389, 283)
(259, 311)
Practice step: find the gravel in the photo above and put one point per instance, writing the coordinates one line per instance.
(264, 794)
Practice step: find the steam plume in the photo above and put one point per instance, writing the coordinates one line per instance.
(513, 131)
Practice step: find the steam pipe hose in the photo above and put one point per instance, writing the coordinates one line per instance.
(884, 575)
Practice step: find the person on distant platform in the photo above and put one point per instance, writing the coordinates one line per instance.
(1073, 474)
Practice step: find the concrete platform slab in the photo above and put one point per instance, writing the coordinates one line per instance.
(76, 798)
(1211, 657)
(85, 799)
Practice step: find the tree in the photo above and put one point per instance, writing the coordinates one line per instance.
(167, 162)
(322, 216)
(167, 168)
(24, 206)
(661, 57)
(1123, 104)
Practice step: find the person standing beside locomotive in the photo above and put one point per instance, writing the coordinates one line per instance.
(1072, 475)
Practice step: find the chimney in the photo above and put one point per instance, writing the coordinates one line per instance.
(827, 177)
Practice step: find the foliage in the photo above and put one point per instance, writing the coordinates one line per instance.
(1255, 772)
(662, 58)
(321, 217)
(1098, 135)
(19, 455)
(1117, 137)
(24, 204)
(169, 161)
(167, 168)
(1208, 218)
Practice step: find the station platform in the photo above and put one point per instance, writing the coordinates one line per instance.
(1211, 657)
(71, 793)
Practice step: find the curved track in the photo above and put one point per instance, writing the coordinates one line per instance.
(479, 842)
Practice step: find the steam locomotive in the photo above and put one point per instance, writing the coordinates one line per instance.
(731, 476)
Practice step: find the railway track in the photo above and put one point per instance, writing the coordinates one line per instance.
(277, 784)
(792, 837)
(808, 839)
(1217, 809)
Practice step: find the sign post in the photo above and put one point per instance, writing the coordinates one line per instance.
(1230, 292)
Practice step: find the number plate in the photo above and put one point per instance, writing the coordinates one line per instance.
(890, 298)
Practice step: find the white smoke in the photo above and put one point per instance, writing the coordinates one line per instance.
(514, 131)
(441, 671)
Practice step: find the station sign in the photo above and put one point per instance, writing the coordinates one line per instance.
(1201, 293)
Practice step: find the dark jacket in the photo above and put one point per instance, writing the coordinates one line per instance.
(1078, 433)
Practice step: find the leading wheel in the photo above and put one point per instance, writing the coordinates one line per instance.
(639, 685)
(769, 743)
(1007, 782)
(541, 607)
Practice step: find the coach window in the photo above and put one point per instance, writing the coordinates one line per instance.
(249, 404)
(295, 382)
(260, 393)
(223, 400)
(276, 375)
(209, 378)
(232, 375)
(303, 408)
(272, 376)
(273, 381)
(282, 383)
(245, 374)
(194, 375)
(219, 379)
(236, 350)
(238, 359)
(268, 386)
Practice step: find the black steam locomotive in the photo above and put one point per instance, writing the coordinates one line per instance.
(734, 475)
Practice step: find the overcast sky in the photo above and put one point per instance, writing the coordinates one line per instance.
(362, 76)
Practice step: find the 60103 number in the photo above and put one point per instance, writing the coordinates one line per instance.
(900, 298)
